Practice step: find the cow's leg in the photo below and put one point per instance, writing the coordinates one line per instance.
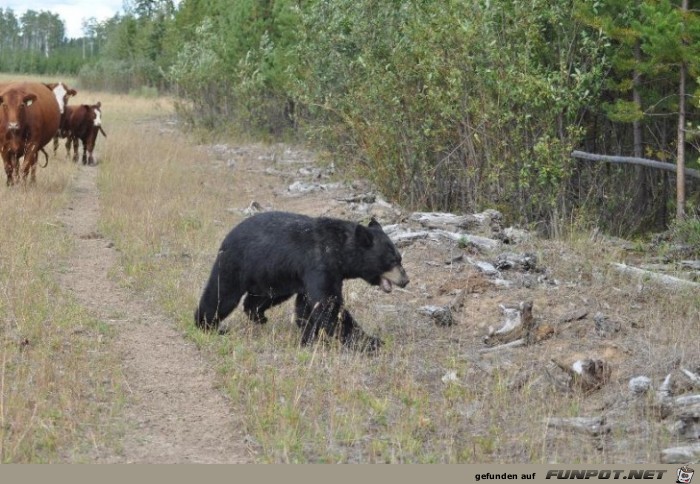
(85, 160)
(55, 144)
(68, 142)
(76, 145)
(15, 168)
(8, 161)
(90, 141)
(28, 165)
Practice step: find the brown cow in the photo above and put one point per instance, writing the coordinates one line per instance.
(82, 124)
(29, 118)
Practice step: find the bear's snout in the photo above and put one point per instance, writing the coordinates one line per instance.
(397, 275)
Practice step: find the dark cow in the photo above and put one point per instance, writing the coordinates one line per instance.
(29, 118)
(82, 123)
(62, 93)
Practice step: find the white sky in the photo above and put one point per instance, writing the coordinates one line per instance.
(72, 12)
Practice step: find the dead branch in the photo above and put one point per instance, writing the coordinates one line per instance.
(513, 344)
(518, 324)
(694, 378)
(665, 390)
(582, 155)
(586, 375)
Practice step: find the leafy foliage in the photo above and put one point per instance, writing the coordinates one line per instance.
(446, 105)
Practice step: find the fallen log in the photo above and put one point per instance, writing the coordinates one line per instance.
(690, 264)
(680, 455)
(664, 279)
(593, 426)
(441, 219)
(582, 155)
(402, 238)
(687, 400)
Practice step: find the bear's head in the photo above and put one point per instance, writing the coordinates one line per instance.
(378, 261)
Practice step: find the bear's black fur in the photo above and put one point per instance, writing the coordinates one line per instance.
(273, 256)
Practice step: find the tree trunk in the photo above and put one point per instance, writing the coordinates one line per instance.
(643, 196)
(637, 99)
(680, 162)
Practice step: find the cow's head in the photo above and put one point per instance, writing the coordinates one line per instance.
(14, 104)
(62, 93)
(96, 114)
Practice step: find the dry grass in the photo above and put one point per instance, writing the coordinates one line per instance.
(167, 205)
(57, 385)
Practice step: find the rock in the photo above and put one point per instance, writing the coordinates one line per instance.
(511, 235)
(639, 385)
(253, 208)
(604, 326)
(508, 260)
(485, 267)
(449, 377)
(574, 315)
(441, 315)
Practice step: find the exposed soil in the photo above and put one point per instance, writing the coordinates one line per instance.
(173, 412)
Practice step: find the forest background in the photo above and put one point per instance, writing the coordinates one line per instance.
(450, 105)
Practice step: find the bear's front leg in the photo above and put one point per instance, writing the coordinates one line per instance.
(321, 315)
(353, 336)
(302, 310)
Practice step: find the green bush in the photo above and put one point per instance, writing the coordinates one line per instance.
(448, 110)
(119, 76)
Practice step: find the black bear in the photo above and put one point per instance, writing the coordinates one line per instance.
(273, 256)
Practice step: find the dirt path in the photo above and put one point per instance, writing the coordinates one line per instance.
(173, 413)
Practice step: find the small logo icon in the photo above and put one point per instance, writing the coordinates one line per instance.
(685, 475)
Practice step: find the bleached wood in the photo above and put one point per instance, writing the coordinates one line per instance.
(664, 279)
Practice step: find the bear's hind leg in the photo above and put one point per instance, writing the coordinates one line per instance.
(255, 306)
(217, 302)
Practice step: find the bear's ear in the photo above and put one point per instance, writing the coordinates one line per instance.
(363, 237)
(374, 224)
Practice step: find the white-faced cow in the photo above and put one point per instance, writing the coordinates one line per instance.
(29, 118)
(62, 93)
(82, 124)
